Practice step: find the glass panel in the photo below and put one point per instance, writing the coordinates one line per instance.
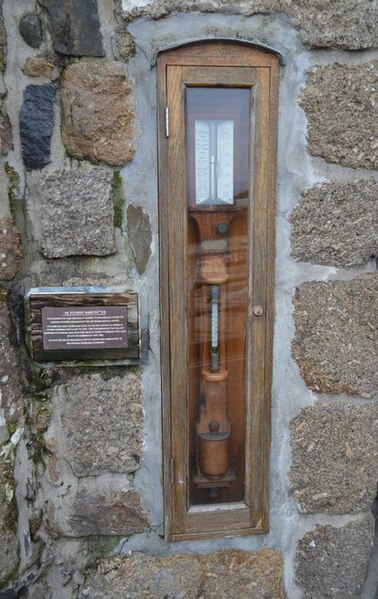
(218, 139)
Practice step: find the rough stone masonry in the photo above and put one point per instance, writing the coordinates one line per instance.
(81, 511)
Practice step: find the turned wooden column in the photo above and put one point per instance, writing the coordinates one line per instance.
(213, 427)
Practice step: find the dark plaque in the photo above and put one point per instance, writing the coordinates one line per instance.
(75, 325)
(84, 328)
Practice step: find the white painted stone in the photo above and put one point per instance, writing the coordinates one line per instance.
(128, 5)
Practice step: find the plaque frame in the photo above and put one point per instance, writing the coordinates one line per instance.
(77, 297)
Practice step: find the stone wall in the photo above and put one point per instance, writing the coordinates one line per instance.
(80, 451)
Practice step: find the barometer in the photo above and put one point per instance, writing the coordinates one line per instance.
(217, 127)
(214, 163)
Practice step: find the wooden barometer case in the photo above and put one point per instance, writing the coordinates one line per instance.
(217, 128)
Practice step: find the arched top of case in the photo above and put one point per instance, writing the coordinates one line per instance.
(215, 47)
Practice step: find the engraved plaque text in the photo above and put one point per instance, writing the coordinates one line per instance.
(89, 327)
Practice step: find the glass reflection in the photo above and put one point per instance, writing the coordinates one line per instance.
(218, 134)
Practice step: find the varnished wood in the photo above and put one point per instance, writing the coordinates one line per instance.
(177, 231)
(181, 522)
(218, 53)
(234, 519)
(213, 76)
(270, 267)
(163, 189)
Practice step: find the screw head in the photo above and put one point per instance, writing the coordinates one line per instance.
(222, 228)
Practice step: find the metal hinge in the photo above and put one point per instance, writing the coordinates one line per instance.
(172, 471)
(166, 121)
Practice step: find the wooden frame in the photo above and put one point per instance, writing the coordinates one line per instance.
(208, 64)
